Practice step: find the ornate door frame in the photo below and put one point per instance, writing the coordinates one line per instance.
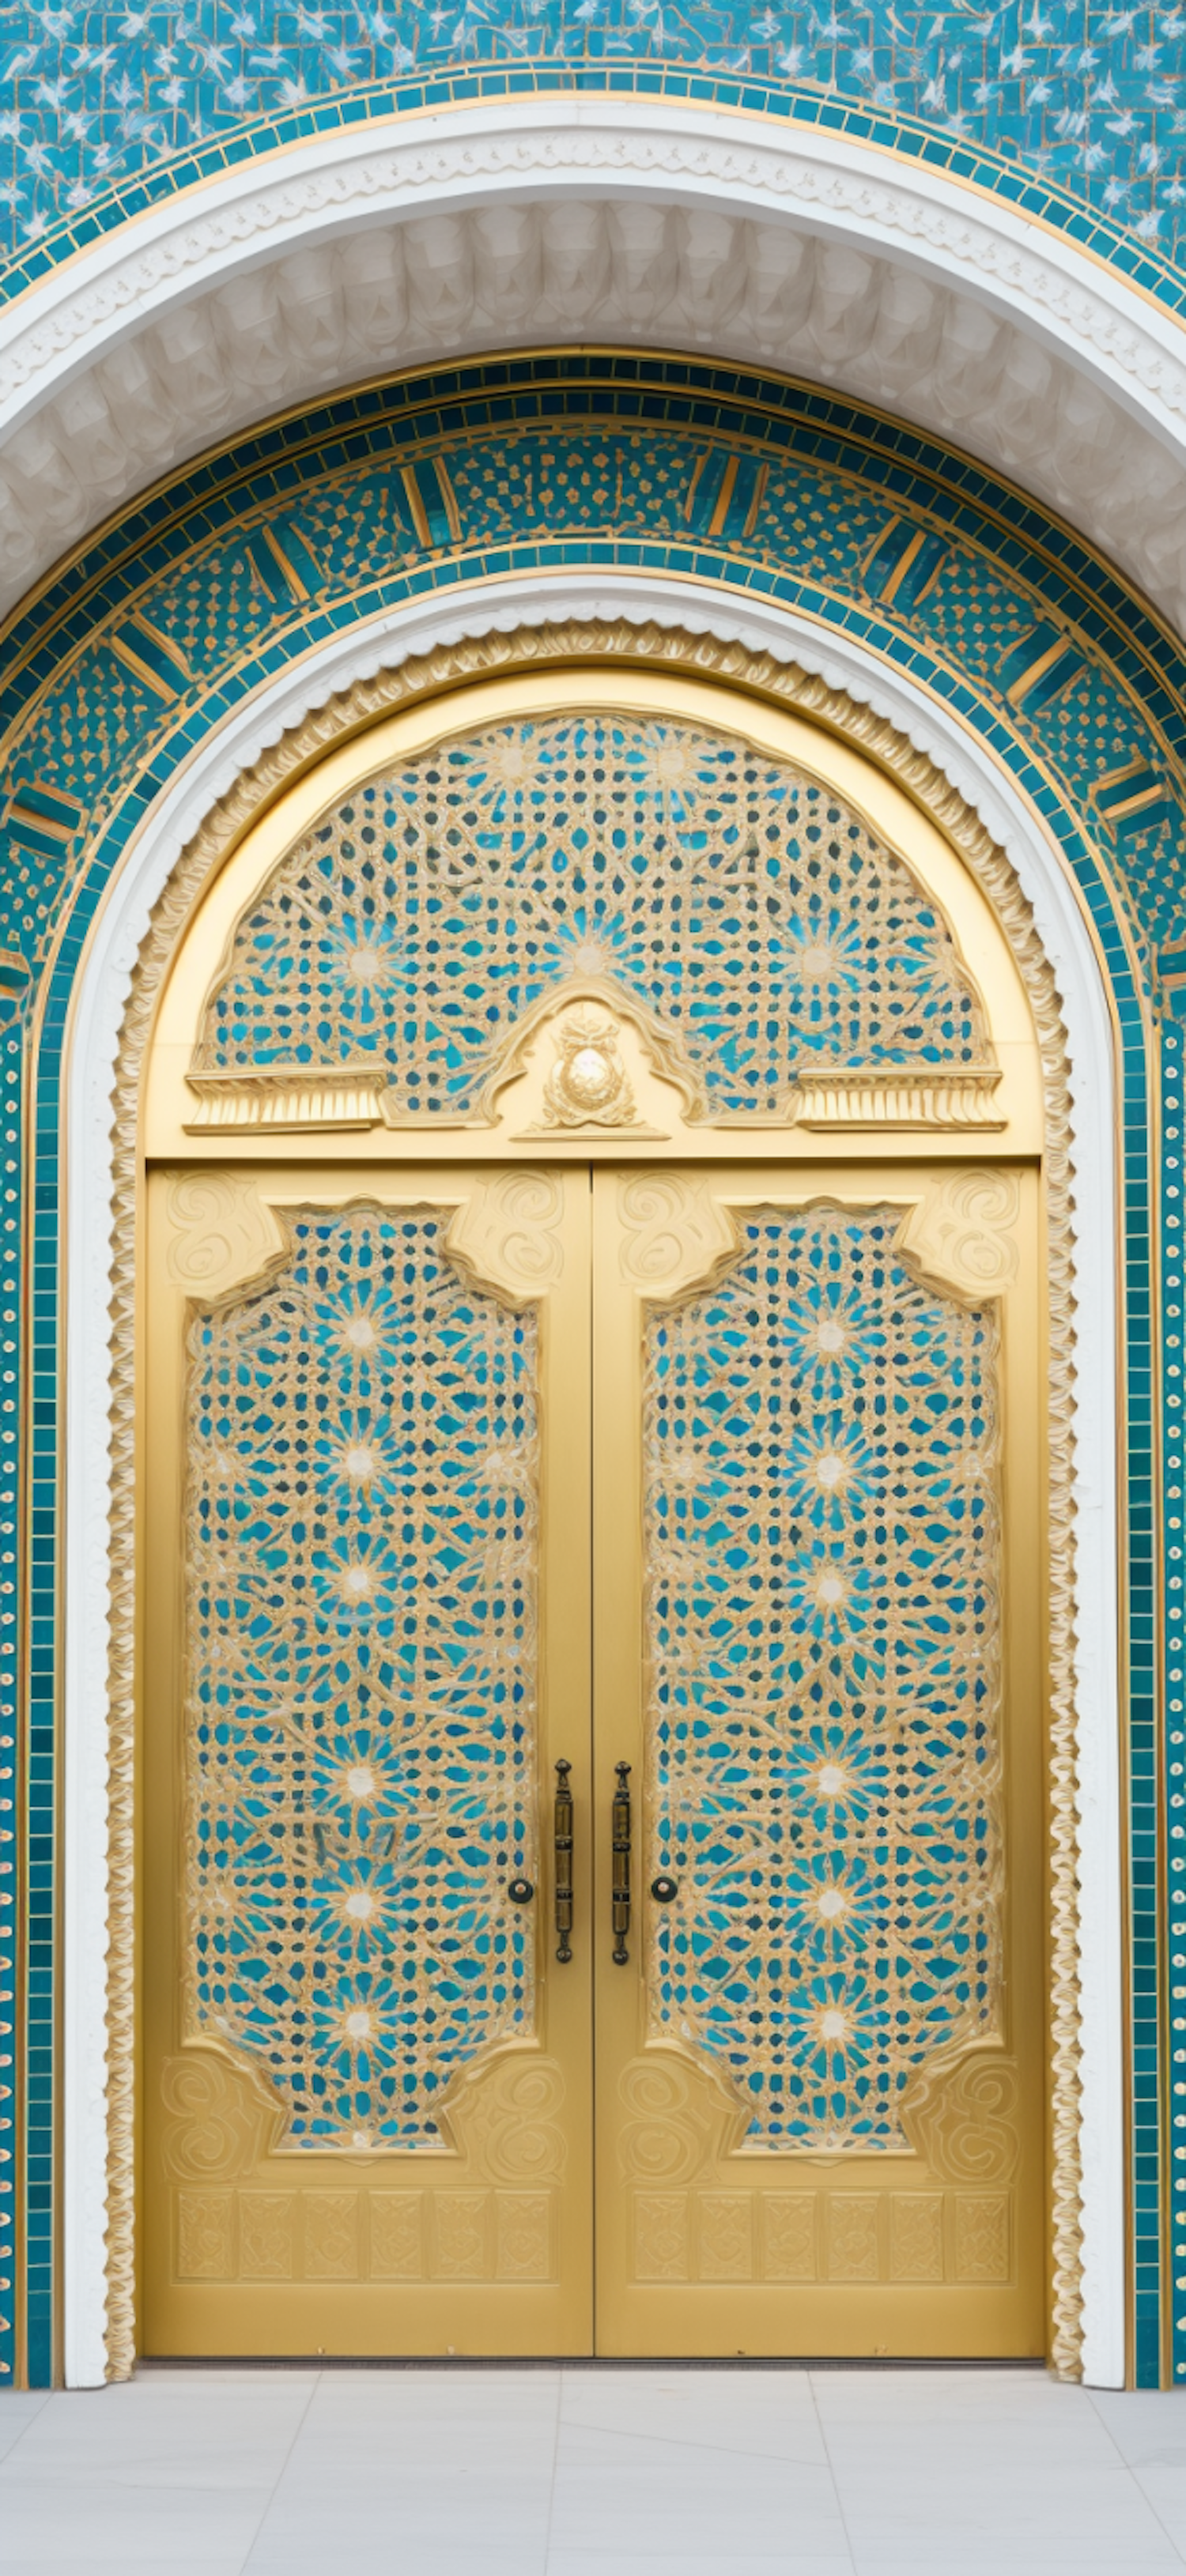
(107, 1040)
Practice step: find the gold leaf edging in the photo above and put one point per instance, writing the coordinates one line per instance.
(782, 684)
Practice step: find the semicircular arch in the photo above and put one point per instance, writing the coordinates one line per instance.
(152, 888)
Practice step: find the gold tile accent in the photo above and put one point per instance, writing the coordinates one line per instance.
(789, 2236)
(982, 2235)
(205, 2235)
(331, 2235)
(267, 2234)
(462, 2223)
(725, 2236)
(397, 2235)
(916, 2235)
(661, 2236)
(852, 2236)
(524, 2230)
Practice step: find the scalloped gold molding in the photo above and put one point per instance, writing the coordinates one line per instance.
(782, 684)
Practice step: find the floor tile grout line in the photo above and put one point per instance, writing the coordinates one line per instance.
(823, 2434)
(35, 2418)
(556, 2425)
(1141, 2491)
(688, 2442)
(297, 2430)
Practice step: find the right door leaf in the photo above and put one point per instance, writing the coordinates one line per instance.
(823, 1642)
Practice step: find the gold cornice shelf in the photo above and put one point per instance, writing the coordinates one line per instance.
(896, 1096)
(287, 1097)
(307, 1099)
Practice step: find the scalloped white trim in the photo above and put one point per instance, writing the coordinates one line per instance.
(98, 1009)
(593, 219)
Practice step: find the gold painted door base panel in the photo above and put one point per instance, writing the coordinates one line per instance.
(705, 2244)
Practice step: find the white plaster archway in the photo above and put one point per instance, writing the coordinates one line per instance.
(100, 998)
(579, 219)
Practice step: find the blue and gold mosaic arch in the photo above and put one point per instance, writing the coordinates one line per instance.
(541, 464)
(190, 605)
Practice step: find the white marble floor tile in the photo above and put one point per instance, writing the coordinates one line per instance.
(387, 2545)
(704, 2503)
(1144, 2423)
(968, 2467)
(1068, 2534)
(1129, 2560)
(934, 2396)
(626, 2561)
(432, 2501)
(592, 2473)
(222, 2441)
(178, 2563)
(184, 2380)
(1165, 2489)
(122, 2528)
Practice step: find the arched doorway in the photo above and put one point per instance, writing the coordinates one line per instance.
(594, 1148)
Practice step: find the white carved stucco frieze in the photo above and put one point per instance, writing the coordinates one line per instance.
(340, 262)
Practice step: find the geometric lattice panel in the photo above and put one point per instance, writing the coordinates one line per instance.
(823, 1634)
(360, 1537)
(733, 896)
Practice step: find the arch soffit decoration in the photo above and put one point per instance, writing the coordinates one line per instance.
(594, 220)
(100, 2297)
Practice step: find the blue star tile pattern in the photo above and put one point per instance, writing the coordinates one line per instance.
(820, 1437)
(359, 1717)
(540, 851)
(1087, 98)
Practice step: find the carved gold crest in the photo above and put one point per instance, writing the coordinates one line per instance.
(588, 1085)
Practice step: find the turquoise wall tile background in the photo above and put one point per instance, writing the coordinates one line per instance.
(1083, 101)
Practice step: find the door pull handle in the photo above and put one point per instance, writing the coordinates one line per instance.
(562, 1842)
(621, 1881)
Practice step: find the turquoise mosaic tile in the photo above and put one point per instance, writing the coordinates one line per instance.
(1075, 115)
(1076, 688)
(12, 2109)
(1173, 1748)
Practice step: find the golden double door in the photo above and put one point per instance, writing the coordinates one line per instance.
(492, 1479)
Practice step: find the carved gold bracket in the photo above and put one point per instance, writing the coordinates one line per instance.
(287, 1097)
(896, 1096)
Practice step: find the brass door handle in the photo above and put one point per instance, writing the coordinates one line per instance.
(562, 1843)
(621, 1883)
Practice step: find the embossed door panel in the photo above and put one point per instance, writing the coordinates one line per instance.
(367, 2109)
(817, 1622)
(749, 1458)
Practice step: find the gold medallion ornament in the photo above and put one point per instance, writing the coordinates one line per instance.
(588, 1085)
